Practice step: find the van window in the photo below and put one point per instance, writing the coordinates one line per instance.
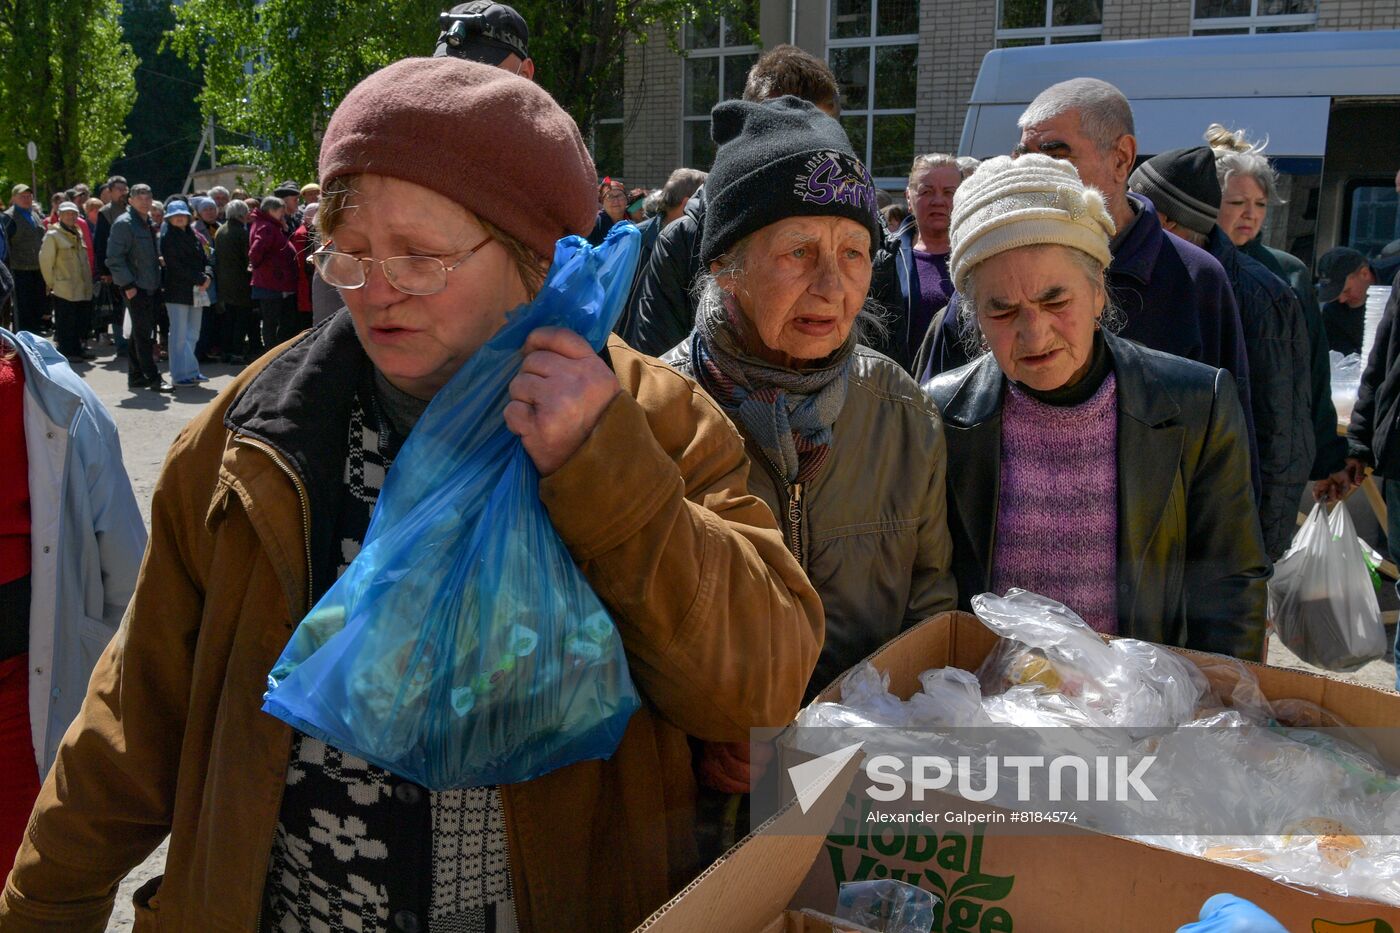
(1374, 210)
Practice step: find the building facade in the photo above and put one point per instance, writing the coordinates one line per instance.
(906, 67)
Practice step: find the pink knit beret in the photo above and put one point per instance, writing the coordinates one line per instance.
(495, 143)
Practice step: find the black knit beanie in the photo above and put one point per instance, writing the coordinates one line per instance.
(1183, 185)
(781, 158)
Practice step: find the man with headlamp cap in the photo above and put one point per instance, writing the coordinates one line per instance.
(487, 32)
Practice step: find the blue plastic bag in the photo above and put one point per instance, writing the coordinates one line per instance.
(463, 646)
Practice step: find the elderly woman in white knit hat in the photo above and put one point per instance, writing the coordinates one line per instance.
(1113, 478)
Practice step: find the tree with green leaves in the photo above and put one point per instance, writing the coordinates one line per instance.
(276, 70)
(166, 124)
(66, 82)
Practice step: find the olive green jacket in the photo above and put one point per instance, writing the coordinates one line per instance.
(871, 530)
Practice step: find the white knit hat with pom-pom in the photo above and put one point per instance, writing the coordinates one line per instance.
(1030, 201)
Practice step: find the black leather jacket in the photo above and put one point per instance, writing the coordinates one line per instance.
(1191, 565)
(1371, 436)
(661, 308)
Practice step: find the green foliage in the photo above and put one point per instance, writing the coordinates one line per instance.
(166, 123)
(276, 70)
(66, 82)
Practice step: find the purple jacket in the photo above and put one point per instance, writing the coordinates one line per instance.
(271, 254)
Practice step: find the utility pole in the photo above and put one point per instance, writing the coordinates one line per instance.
(205, 138)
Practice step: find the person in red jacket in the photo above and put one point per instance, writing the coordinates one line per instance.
(304, 241)
(19, 779)
(273, 260)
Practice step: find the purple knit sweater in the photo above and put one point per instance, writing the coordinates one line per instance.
(1057, 519)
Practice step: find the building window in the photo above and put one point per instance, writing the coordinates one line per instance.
(1048, 22)
(1245, 17)
(719, 51)
(873, 47)
(1375, 217)
(609, 131)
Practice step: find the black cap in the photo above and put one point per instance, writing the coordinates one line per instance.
(778, 159)
(1332, 271)
(287, 189)
(483, 31)
(1182, 184)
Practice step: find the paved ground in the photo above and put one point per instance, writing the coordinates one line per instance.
(148, 422)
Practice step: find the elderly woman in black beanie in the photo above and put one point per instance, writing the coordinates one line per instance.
(266, 498)
(847, 450)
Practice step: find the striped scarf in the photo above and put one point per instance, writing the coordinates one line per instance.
(788, 413)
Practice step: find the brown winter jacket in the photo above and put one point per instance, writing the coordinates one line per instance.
(722, 631)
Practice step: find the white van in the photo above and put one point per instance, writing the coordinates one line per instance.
(1329, 103)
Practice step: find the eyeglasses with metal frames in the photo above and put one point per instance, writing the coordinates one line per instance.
(412, 275)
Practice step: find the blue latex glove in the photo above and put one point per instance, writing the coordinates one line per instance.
(1226, 913)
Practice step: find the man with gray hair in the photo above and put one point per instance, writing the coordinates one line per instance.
(1173, 296)
(221, 197)
(134, 263)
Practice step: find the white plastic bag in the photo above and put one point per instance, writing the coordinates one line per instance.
(1061, 661)
(1321, 598)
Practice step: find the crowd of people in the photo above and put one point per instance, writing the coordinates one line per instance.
(822, 418)
(213, 276)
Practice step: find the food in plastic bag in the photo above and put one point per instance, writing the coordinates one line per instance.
(1329, 801)
(1048, 648)
(1321, 599)
(887, 906)
(463, 646)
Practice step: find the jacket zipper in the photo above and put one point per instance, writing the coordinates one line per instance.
(516, 891)
(794, 510)
(514, 917)
(301, 495)
(794, 517)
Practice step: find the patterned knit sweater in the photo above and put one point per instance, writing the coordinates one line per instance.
(1057, 518)
(357, 848)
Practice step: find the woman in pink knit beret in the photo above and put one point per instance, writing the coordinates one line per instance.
(1081, 466)
(446, 185)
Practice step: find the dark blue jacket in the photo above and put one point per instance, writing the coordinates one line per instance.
(895, 285)
(1280, 372)
(1156, 280)
(1331, 447)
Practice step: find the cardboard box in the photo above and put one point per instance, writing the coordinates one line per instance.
(748, 889)
(1078, 880)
